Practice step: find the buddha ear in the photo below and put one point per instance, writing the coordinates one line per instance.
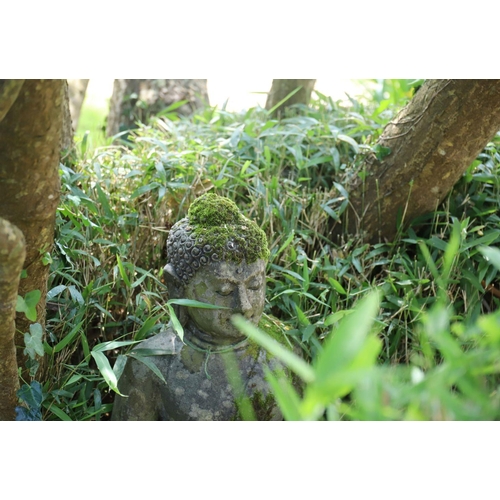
(175, 286)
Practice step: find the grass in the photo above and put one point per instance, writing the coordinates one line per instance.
(430, 346)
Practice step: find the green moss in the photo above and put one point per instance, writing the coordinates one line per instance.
(263, 406)
(217, 221)
(213, 210)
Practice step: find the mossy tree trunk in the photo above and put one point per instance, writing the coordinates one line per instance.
(30, 135)
(12, 254)
(282, 88)
(137, 100)
(432, 141)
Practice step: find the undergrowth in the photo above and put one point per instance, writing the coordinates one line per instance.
(118, 203)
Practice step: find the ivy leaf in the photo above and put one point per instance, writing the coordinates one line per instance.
(27, 305)
(33, 341)
(32, 396)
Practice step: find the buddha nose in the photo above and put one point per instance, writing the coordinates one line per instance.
(244, 307)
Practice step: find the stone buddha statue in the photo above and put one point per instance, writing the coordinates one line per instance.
(216, 256)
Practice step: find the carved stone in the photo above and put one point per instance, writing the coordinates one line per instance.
(215, 256)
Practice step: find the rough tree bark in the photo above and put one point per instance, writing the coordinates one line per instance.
(433, 140)
(281, 88)
(29, 179)
(9, 90)
(77, 90)
(137, 100)
(12, 254)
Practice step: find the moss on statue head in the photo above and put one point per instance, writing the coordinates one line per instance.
(218, 222)
(213, 210)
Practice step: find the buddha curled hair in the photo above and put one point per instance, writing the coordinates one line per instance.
(214, 230)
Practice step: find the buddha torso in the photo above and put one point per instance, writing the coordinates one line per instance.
(197, 387)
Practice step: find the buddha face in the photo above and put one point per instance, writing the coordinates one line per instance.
(241, 288)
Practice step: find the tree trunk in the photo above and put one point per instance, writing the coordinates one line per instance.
(9, 90)
(432, 141)
(137, 100)
(29, 176)
(77, 89)
(12, 254)
(67, 132)
(281, 88)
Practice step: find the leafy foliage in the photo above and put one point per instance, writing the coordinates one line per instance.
(423, 348)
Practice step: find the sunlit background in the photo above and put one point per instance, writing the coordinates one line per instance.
(235, 94)
(239, 94)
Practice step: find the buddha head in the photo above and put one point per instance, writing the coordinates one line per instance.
(217, 256)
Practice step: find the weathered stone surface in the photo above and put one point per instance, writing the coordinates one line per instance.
(197, 387)
(207, 374)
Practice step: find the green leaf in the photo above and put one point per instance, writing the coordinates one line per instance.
(337, 286)
(303, 319)
(33, 341)
(171, 108)
(233, 375)
(274, 108)
(316, 161)
(152, 352)
(66, 340)
(296, 364)
(286, 396)
(103, 199)
(337, 316)
(347, 342)
(287, 242)
(106, 371)
(492, 255)
(76, 295)
(119, 365)
(145, 189)
(147, 326)
(339, 383)
(32, 394)
(144, 359)
(307, 332)
(381, 151)
(55, 291)
(194, 303)
(490, 324)
(28, 304)
(46, 259)
(113, 344)
(123, 273)
(349, 140)
(59, 413)
(85, 345)
(179, 330)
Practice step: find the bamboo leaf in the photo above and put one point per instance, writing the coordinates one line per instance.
(492, 255)
(106, 371)
(144, 359)
(194, 303)
(296, 364)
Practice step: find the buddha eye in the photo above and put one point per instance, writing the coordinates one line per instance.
(255, 286)
(224, 292)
